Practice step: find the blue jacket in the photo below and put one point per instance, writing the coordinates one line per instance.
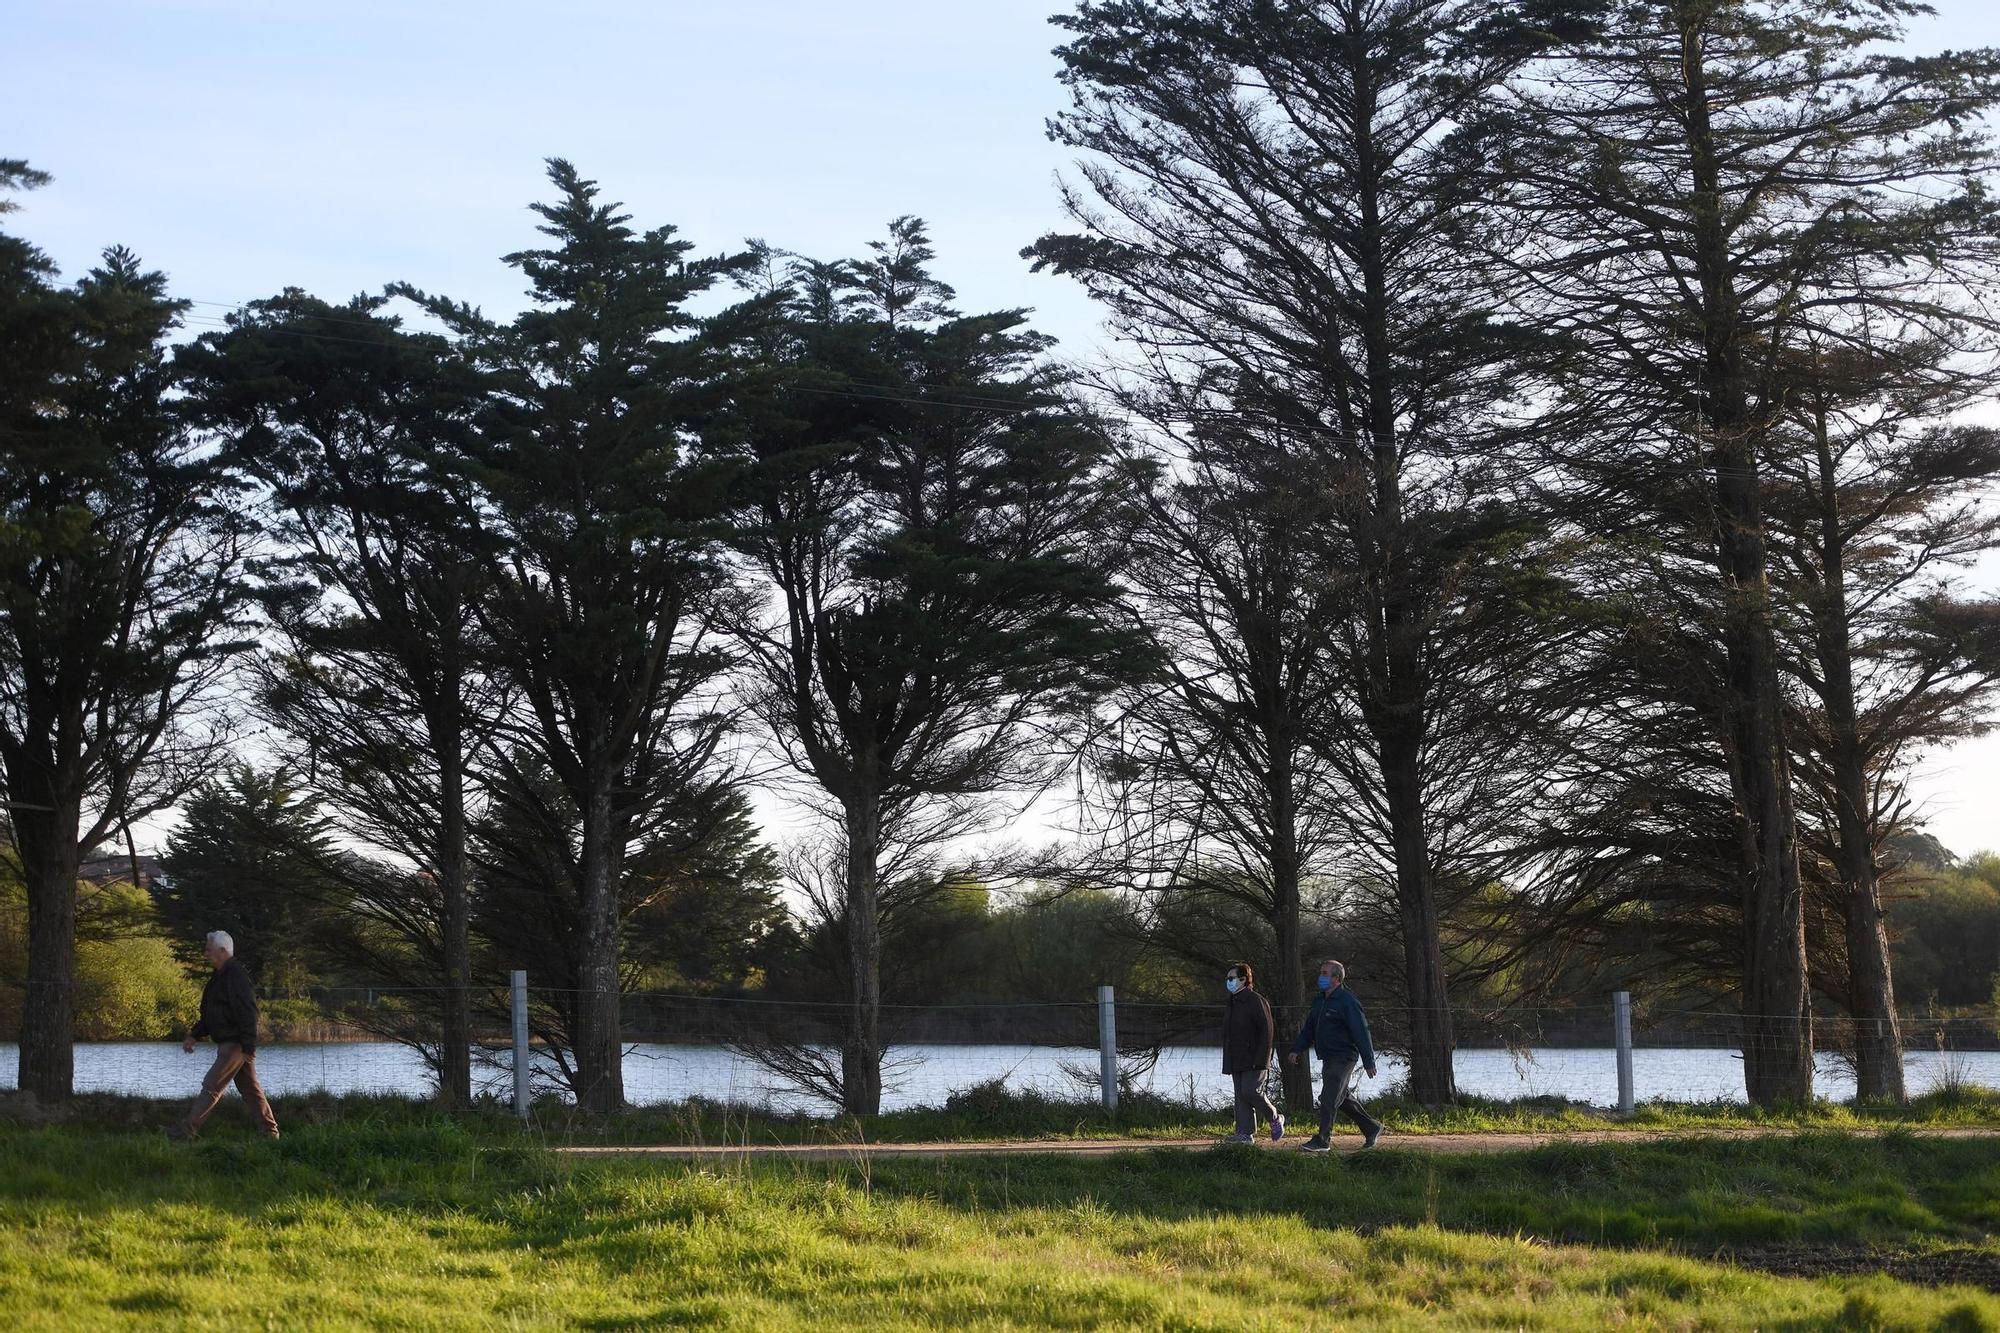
(1336, 1029)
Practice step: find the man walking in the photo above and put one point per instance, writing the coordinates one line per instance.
(1337, 1031)
(1247, 1037)
(229, 1019)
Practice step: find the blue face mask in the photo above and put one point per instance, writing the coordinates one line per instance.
(1233, 984)
(1326, 983)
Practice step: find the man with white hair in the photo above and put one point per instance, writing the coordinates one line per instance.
(229, 1019)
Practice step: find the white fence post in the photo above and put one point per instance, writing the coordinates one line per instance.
(1621, 1033)
(521, 1044)
(1107, 1046)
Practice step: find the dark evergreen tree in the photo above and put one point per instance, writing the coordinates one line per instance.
(702, 901)
(121, 545)
(1282, 219)
(600, 489)
(16, 174)
(1706, 189)
(939, 522)
(254, 856)
(1210, 782)
(696, 900)
(354, 426)
(1872, 506)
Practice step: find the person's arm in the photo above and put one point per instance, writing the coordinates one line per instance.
(243, 1006)
(1268, 1027)
(1357, 1028)
(199, 1032)
(1306, 1029)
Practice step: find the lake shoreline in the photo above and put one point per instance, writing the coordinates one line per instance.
(933, 1074)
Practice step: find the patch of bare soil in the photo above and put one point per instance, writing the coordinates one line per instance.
(1960, 1267)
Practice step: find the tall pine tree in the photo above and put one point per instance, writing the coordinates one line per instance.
(121, 547)
(601, 494)
(1706, 186)
(939, 522)
(356, 427)
(1281, 219)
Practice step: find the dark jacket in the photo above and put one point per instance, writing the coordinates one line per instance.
(228, 1007)
(1247, 1033)
(1336, 1029)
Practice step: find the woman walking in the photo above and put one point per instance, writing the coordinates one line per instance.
(1247, 1037)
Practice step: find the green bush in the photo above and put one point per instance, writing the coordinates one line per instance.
(129, 983)
(132, 989)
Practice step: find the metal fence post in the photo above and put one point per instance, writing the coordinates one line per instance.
(1107, 1046)
(1621, 1033)
(521, 1044)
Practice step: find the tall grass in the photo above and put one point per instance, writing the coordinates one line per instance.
(421, 1221)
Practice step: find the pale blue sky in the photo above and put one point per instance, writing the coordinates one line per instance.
(245, 146)
(248, 145)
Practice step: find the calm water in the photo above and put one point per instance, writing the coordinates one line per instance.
(926, 1075)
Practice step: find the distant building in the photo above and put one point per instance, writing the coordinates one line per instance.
(102, 870)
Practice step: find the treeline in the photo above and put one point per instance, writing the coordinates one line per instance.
(1520, 528)
(257, 856)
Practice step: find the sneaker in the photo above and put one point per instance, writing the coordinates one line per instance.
(1316, 1145)
(1241, 1138)
(1277, 1129)
(1369, 1139)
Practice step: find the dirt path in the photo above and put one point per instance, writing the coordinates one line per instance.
(1344, 1143)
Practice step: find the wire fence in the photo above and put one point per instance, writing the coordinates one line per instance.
(781, 1054)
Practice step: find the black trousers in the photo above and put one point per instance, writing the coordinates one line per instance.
(1337, 1094)
(1251, 1101)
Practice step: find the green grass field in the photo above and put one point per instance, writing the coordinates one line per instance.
(406, 1219)
(990, 1112)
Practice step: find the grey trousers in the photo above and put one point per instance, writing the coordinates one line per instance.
(1251, 1101)
(1337, 1094)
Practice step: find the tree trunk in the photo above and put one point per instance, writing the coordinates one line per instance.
(1288, 987)
(599, 1042)
(455, 1036)
(1777, 1036)
(1871, 999)
(1396, 679)
(47, 843)
(1431, 1042)
(861, 1049)
(1878, 1034)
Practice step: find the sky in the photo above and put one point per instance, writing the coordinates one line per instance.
(339, 145)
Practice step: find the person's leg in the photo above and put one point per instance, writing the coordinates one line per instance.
(1242, 1082)
(1339, 1085)
(1260, 1103)
(1370, 1127)
(228, 1056)
(1367, 1124)
(253, 1096)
